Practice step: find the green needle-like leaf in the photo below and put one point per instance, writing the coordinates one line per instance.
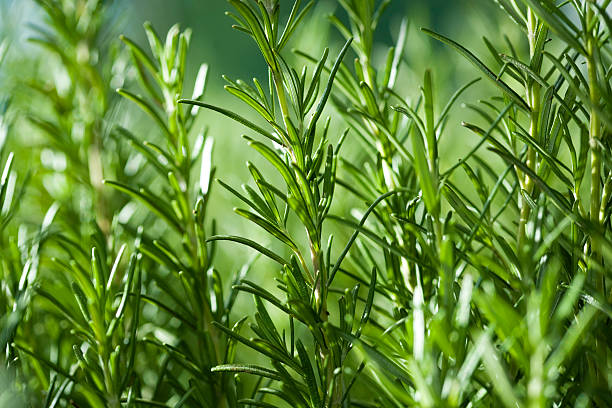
(481, 66)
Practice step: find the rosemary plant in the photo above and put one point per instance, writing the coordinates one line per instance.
(307, 163)
(194, 295)
(406, 272)
(76, 104)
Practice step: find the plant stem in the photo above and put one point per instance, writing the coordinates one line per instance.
(282, 99)
(284, 107)
(533, 97)
(594, 129)
(595, 204)
(325, 352)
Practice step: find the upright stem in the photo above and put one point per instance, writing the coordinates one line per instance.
(533, 97)
(325, 352)
(594, 136)
(282, 99)
(319, 268)
(198, 286)
(594, 128)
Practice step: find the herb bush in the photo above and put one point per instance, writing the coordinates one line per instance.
(402, 276)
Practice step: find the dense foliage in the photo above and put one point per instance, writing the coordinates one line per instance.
(399, 279)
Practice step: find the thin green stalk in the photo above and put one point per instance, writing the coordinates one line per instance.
(605, 198)
(592, 28)
(282, 98)
(594, 128)
(533, 97)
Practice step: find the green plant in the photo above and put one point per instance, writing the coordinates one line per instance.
(307, 163)
(15, 295)
(408, 272)
(191, 289)
(72, 107)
